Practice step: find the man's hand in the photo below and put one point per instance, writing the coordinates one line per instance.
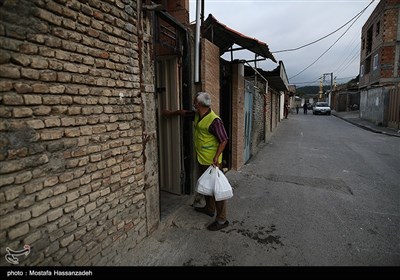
(169, 113)
(166, 112)
(215, 162)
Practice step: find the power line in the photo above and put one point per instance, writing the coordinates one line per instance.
(298, 48)
(357, 55)
(351, 56)
(359, 15)
(317, 81)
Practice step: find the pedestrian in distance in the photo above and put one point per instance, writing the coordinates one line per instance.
(305, 108)
(286, 110)
(210, 139)
(297, 108)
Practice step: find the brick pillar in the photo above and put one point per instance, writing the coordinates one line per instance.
(237, 116)
(210, 72)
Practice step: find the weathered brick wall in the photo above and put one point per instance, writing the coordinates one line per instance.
(72, 159)
(210, 72)
(384, 44)
(375, 41)
(390, 37)
(390, 22)
(179, 9)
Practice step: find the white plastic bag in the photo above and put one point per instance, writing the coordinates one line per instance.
(206, 182)
(223, 189)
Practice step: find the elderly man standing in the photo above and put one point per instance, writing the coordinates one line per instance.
(210, 139)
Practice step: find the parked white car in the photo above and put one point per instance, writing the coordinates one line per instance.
(321, 108)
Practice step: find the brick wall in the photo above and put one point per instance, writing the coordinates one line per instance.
(390, 36)
(179, 9)
(210, 72)
(384, 44)
(72, 176)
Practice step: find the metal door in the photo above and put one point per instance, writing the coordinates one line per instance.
(169, 129)
(394, 108)
(248, 118)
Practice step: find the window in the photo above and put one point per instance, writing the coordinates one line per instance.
(369, 40)
(362, 70)
(378, 27)
(367, 65)
(363, 43)
(375, 62)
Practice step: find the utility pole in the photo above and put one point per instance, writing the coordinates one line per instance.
(330, 93)
(321, 91)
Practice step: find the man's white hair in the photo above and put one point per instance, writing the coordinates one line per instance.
(203, 98)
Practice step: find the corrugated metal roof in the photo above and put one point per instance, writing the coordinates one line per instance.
(225, 37)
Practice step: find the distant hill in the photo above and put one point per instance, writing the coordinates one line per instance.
(310, 90)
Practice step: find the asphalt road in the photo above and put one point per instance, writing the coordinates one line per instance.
(321, 192)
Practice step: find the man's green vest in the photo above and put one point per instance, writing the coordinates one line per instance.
(206, 144)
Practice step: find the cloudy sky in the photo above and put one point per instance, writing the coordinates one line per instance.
(289, 24)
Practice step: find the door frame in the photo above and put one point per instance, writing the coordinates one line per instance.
(170, 140)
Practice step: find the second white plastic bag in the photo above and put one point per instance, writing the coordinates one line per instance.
(222, 189)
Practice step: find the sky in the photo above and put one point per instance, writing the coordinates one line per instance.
(290, 24)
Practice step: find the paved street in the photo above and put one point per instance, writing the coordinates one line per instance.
(321, 192)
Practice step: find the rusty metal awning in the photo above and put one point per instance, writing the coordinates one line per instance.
(225, 37)
(277, 78)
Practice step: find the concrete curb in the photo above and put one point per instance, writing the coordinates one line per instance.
(366, 127)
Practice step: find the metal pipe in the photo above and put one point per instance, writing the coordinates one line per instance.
(197, 44)
(202, 12)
